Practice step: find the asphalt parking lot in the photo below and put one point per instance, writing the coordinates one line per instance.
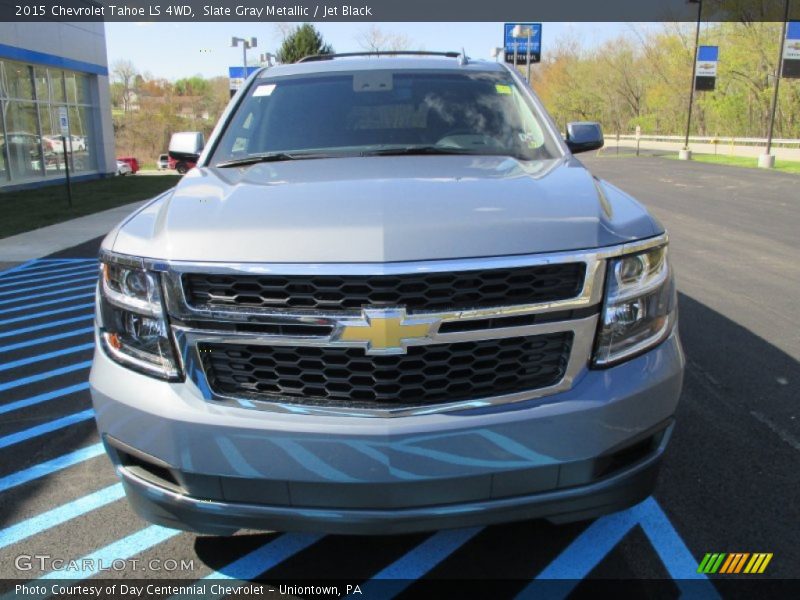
(729, 482)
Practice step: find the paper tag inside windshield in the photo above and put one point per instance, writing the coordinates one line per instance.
(502, 89)
(264, 90)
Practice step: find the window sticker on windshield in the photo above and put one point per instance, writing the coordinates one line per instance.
(264, 90)
(502, 89)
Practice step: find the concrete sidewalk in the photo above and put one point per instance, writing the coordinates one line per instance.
(46, 240)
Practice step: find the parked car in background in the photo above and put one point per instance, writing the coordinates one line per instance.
(163, 162)
(123, 168)
(54, 143)
(78, 143)
(184, 150)
(131, 161)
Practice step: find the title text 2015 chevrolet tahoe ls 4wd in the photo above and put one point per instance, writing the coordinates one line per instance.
(388, 299)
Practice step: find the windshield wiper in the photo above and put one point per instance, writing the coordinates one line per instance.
(412, 150)
(443, 150)
(269, 157)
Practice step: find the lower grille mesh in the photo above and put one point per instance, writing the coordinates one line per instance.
(425, 375)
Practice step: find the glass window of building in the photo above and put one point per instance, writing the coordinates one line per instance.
(33, 145)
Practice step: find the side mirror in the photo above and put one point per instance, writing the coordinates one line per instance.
(583, 136)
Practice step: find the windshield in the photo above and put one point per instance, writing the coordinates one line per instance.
(377, 112)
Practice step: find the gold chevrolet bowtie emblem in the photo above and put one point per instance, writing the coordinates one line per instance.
(386, 331)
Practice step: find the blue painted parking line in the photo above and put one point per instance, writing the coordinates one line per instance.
(45, 375)
(601, 537)
(49, 286)
(54, 275)
(45, 340)
(50, 466)
(417, 562)
(62, 300)
(48, 325)
(18, 268)
(46, 313)
(59, 292)
(39, 398)
(122, 549)
(49, 427)
(45, 270)
(45, 356)
(262, 559)
(62, 514)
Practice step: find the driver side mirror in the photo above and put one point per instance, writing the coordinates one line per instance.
(583, 136)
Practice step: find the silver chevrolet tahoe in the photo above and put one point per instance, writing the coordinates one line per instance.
(387, 299)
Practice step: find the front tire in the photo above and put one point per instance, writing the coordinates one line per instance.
(181, 168)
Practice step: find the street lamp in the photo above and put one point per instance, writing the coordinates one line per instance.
(266, 58)
(767, 160)
(495, 53)
(686, 154)
(246, 45)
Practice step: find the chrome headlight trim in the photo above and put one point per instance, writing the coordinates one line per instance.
(648, 295)
(121, 315)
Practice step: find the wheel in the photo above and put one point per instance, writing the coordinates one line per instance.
(181, 168)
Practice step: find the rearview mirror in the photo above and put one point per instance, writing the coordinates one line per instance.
(583, 136)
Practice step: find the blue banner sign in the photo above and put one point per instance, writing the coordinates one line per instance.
(510, 43)
(706, 68)
(791, 51)
(237, 76)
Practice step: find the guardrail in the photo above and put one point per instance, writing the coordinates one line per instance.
(733, 141)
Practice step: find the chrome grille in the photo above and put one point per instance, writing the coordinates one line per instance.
(417, 292)
(332, 376)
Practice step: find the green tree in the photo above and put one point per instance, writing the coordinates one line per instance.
(302, 41)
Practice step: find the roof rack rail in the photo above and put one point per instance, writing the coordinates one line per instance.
(315, 57)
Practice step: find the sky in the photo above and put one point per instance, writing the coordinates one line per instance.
(176, 50)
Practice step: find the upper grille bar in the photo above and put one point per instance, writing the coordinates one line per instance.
(417, 292)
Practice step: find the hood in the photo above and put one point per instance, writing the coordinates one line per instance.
(383, 209)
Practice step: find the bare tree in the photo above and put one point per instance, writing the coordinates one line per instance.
(125, 74)
(374, 39)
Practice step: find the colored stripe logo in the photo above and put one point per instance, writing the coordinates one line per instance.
(734, 563)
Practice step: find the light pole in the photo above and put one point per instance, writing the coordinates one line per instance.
(766, 160)
(518, 32)
(495, 53)
(686, 154)
(529, 55)
(246, 45)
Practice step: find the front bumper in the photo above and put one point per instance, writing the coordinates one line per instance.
(191, 464)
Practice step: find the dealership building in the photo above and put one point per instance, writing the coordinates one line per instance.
(54, 81)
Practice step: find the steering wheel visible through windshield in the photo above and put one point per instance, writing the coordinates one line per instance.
(377, 112)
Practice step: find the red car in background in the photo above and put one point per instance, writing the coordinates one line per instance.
(134, 164)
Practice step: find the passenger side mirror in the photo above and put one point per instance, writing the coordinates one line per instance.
(583, 136)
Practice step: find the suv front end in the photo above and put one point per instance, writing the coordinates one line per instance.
(366, 343)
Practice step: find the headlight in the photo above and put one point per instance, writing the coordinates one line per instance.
(640, 305)
(130, 317)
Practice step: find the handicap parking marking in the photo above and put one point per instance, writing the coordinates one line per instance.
(46, 313)
(51, 466)
(45, 397)
(45, 428)
(417, 562)
(60, 300)
(49, 325)
(601, 537)
(14, 383)
(29, 360)
(59, 515)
